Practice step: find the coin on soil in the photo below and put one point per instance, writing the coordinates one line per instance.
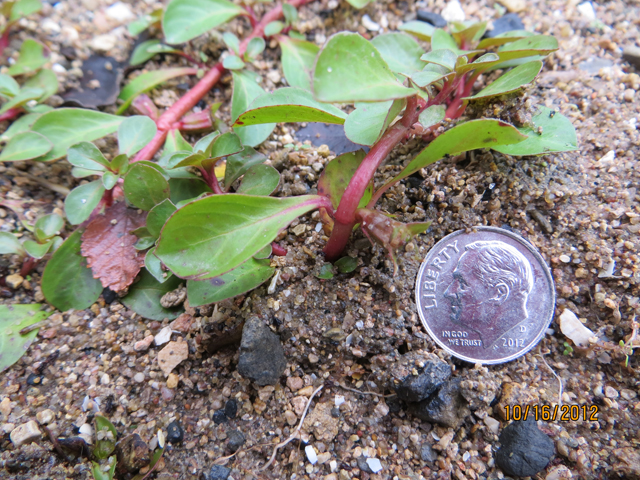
(485, 295)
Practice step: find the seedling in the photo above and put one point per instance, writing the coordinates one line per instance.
(13, 11)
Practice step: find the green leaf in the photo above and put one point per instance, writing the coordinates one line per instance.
(359, 3)
(31, 58)
(106, 436)
(260, 180)
(337, 175)
(232, 42)
(67, 126)
(366, 124)
(444, 57)
(400, 51)
(147, 81)
(175, 143)
(9, 244)
(245, 91)
(326, 272)
(82, 200)
(144, 242)
(255, 47)
(44, 80)
(24, 8)
(50, 225)
(350, 69)
(135, 133)
(273, 28)
(204, 143)
(185, 20)
(67, 282)
(86, 155)
(557, 135)
(8, 86)
(247, 276)
(484, 133)
(144, 297)
(184, 189)
(442, 40)
(99, 474)
(37, 250)
(120, 164)
(298, 57)
(289, 105)
(233, 62)
(264, 253)
(25, 95)
(432, 115)
(238, 164)
(290, 13)
(154, 267)
(466, 37)
(210, 236)
(20, 125)
(25, 146)
(481, 63)
(225, 144)
(511, 81)
(145, 187)
(158, 216)
(141, 24)
(506, 37)
(541, 44)
(109, 180)
(346, 264)
(421, 30)
(142, 52)
(14, 318)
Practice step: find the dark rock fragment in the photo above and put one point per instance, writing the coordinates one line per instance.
(109, 295)
(415, 388)
(217, 472)
(434, 19)
(331, 135)
(99, 85)
(219, 417)
(175, 434)
(524, 450)
(363, 465)
(235, 440)
(447, 407)
(632, 55)
(261, 355)
(34, 380)
(427, 454)
(132, 453)
(506, 23)
(231, 408)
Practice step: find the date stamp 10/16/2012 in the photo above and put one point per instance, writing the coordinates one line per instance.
(555, 413)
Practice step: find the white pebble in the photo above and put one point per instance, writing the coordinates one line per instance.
(51, 27)
(163, 336)
(369, 24)
(139, 377)
(311, 454)
(339, 400)
(103, 43)
(25, 433)
(374, 464)
(453, 12)
(587, 11)
(57, 68)
(565, 258)
(492, 423)
(120, 12)
(572, 327)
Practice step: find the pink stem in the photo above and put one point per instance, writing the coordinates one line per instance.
(11, 114)
(4, 39)
(345, 214)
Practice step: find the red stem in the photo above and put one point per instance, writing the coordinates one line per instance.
(345, 214)
(277, 250)
(28, 265)
(11, 114)
(200, 89)
(4, 39)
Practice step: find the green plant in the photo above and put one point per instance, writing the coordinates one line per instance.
(13, 11)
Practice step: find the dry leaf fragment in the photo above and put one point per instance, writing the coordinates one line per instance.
(109, 246)
(171, 356)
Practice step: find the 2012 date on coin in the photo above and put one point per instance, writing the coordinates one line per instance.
(548, 413)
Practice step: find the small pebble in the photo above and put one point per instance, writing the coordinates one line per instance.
(235, 440)
(587, 11)
(163, 336)
(219, 417)
(14, 281)
(629, 95)
(175, 434)
(453, 12)
(139, 377)
(565, 258)
(311, 454)
(231, 408)
(374, 464)
(45, 417)
(172, 381)
(25, 433)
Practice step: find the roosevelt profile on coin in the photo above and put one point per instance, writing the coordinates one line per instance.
(489, 291)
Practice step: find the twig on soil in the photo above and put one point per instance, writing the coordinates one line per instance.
(294, 435)
(34, 326)
(560, 388)
(51, 186)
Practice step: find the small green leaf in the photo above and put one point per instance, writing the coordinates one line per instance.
(158, 216)
(197, 244)
(185, 20)
(444, 57)
(290, 13)
(483, 133)
(67, 282)
(144, 242)
(247, 276)
(14, 318)
(298, 57)
(232, 42)
(337, 175)
(144, 297)
(506, 37)
(141, 24)
(233, 62)
(86, 155)
(442, 40)
(185, 189)
(421, 30)
(245, 91)
(31, 58)
(175, 143)
(50, 225)
(106, 436)
(350, 69)
(154, 267)
(326, 272)
(120, 164)
(481, 63)
(467, 36)
(289, 105)
(99, 474)
(260, 180)
(109, 180)
(202, 144)
(366, 124)
(44, 80)
(238, 164)
(67, 126)
(400, 51)
(147, 81)
(82, 200)
(142, 52)
(557, 134)
(9, 244)
(145, 187)
(8, 86)
(24, 8)
(273, 28)
(37, 250)
(20, 125)
(264, 253)
(432, 115)
(25, 95)
(511, 81)
(25, 146)
(346, 264)
(255, 47)
(226, 144)
(135, 133)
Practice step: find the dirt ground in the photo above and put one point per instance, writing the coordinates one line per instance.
(580, 209)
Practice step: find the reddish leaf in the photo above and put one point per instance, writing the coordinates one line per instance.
(108, 245)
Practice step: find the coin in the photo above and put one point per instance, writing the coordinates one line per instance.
(485, 296)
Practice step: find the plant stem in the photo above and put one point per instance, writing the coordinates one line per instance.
(174, 113)
(344, 218)
(11, 114)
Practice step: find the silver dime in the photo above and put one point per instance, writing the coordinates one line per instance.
(485, 296)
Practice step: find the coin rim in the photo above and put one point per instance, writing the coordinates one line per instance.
(537, 256)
